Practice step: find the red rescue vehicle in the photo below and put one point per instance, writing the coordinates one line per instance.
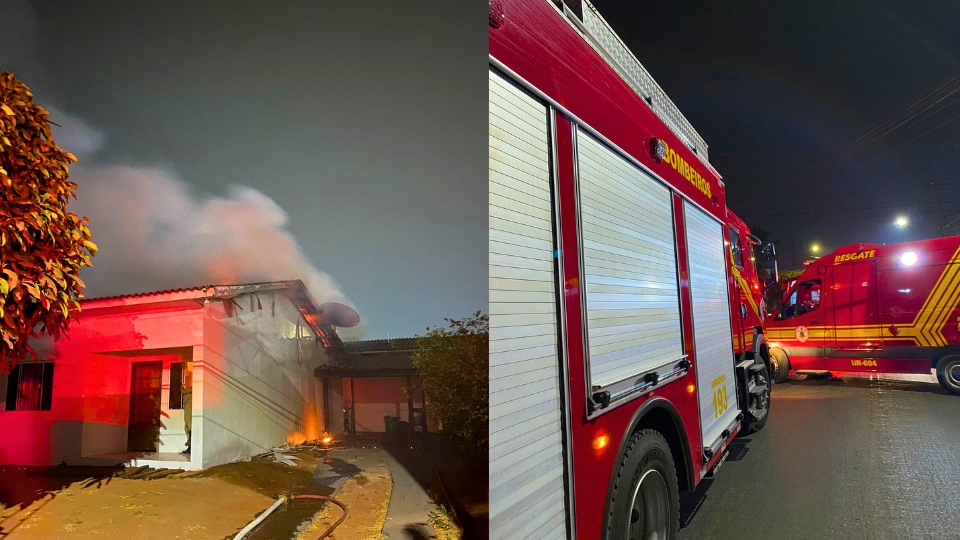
(867, 307)
(626, 349)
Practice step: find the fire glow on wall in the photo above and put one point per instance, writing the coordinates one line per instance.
(116, 395)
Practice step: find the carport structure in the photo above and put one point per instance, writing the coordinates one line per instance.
(367, 384)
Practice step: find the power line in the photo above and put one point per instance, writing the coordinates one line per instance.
(884, 154)
(857, 167)
(883, 136)
(847, 210)
(843, 154)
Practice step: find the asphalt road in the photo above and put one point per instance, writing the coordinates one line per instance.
(851, 458)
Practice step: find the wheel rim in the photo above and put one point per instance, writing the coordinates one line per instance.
(649, 510)
(953, 373)
(765, 396)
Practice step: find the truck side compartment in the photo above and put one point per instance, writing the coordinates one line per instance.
(613, 300)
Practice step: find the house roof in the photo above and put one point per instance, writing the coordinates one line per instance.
(198, 292)
(294, 289)
(381, 345)
(373, 358)
(390, 365)
(166, 292)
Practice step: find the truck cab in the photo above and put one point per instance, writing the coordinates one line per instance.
(753, 272)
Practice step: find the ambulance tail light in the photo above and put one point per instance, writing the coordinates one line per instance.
(908, 258)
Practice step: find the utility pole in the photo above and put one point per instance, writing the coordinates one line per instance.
(941, 219)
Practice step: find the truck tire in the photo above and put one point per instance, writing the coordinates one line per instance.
(762, 406)
(779, 365)
(948, 373)
(645, 502)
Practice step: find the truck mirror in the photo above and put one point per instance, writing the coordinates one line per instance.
(768, 251)
(770, 274)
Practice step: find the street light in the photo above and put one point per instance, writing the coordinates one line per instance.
(901, 221)
(814, 248)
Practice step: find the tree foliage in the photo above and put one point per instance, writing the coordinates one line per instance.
(787, 275)
(42, 245)
(452, 365)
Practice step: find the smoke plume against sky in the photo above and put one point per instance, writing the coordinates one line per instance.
(153, 233)
(219, 141)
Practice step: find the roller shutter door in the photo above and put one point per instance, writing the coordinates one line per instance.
(629, 267)
(527, 497)
(713, 342)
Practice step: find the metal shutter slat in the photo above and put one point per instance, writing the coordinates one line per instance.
(711, 319)
(526, 452)
(629, 265)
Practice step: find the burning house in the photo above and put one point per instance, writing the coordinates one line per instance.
(116, 391)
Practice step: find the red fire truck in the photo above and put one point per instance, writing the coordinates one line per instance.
(866, 307)
(626, 350)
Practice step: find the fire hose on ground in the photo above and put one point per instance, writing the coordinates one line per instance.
(283, 499)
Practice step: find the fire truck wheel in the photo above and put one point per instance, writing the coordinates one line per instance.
(646, 501)
(948, 373)
(779, 365)
(762, 405)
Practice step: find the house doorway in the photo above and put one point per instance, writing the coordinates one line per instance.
(143, 434)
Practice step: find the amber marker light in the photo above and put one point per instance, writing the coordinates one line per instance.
(601, 442)
(691, 388)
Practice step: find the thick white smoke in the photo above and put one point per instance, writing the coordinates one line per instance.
(154, 233)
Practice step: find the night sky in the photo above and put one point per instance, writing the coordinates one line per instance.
(780, 89)
(365, 122)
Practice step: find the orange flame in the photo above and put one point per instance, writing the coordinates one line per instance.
(296, 438)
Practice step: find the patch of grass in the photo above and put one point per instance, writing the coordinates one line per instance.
(269, 478)
(443, 524)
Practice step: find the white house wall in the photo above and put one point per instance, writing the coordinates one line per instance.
(256, 390)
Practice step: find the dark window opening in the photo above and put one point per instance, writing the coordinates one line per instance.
(176, 380)
(804, 299)
(30, 387)
(735, 248)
